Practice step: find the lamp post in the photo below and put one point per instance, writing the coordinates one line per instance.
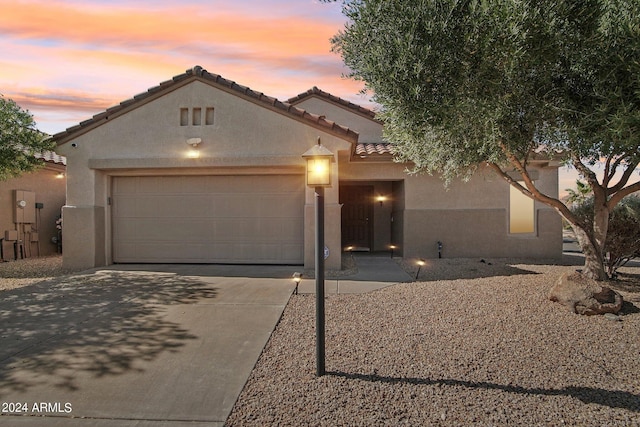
(318, 174)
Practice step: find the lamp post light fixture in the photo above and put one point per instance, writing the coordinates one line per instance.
(391, 248)
(318, 174)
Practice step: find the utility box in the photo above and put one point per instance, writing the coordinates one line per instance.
(25, 207)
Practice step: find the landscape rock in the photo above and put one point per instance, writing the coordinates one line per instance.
(585, 296)
(613, 317)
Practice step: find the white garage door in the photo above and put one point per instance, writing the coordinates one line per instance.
(208, 219)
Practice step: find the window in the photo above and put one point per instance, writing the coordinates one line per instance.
(521, 213)
(184, 116)
(197, 116)
(209, 116)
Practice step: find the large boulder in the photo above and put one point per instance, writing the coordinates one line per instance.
(585, 296)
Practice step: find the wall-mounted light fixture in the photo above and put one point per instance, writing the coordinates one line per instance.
(381, 199)
(193, 152)
(60, 175)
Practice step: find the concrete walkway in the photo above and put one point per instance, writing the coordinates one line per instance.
(374, 271)
(134, 348)
(147, 345)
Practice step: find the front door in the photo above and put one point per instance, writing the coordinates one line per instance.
(357, 216)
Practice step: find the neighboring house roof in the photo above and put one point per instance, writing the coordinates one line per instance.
(198, 73)
(51, 157)
(314, 91)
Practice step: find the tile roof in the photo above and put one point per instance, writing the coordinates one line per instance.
(314, 91)
(364, 149)
(372, 152)
(199, 73)
(51, 157)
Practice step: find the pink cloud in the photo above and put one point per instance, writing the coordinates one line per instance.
(88, 56)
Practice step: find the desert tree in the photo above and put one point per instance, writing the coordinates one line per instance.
(20, 141)
(488, 82)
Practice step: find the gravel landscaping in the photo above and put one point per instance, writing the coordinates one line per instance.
(472, 343)
(23, 272)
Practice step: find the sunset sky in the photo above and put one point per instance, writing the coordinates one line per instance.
(66, 60)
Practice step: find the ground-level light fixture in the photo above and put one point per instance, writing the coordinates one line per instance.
(421, 264)
(392, 248)
(350, 250)
(297, 277)
(318, 176)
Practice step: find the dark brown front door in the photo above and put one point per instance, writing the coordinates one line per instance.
(357, 216)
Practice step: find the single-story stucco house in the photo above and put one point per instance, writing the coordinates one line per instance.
(203, 170)
(30, 207)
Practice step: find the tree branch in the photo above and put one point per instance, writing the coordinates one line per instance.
(625, 177)
(621, 194)
(607, 171)
(531, 190)
(615, 165)
(599, 192)
(587, 173)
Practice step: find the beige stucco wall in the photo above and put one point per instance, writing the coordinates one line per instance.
(50, 191)
(471, 218)
(245, 138)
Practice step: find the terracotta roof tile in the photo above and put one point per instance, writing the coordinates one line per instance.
(51, 157)
(200, 73)
(366, 149)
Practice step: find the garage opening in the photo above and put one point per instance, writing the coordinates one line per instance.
(230, 219)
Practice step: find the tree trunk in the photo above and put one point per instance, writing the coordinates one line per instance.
(593, 256)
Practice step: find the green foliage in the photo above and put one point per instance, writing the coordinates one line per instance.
(623, 237)
(580, 194)
(20, 141)
(466, 82)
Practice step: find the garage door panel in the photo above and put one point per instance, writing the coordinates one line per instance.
(121, 186)
(183, 206)
(292, 251)
(230, 206)
(171, 230)
(232, 219)
(278, 205)
(125, 206)
(292, 230)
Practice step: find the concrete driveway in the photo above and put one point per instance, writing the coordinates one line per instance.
(132, 347)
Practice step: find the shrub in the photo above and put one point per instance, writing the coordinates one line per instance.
(623, 238)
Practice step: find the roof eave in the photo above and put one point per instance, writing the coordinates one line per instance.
(198, 73)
